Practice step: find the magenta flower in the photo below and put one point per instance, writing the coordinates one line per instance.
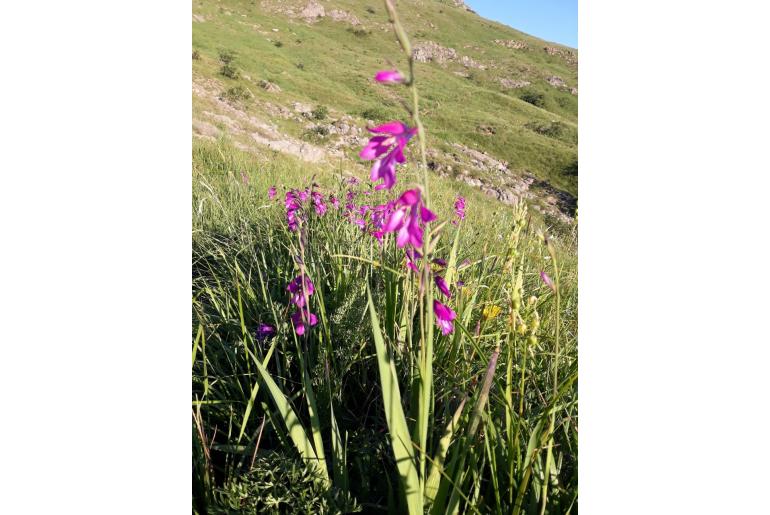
(293, 205)
(299, 291)
(459, 210)
(265, 331)
(547, 280)
(394, 137)
(271, 193)
(412, 256)
(443, 287)
(444, 317)
(302, 320)
(410, 212)
(389, 76)
(440, 262)
(353, 181)
(334, 202)
(318, 203)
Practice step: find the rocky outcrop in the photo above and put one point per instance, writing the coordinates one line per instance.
(269, 86)
(514, 84)
(426, 51)
(512, 44)
(312, 12)
(470, 63)
(568, 56)
(556, 81)
(344, 16)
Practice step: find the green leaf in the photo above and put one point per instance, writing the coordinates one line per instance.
(293, 425)
(400, 440)
(437, 465)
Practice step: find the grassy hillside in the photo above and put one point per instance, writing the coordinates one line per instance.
(320, 61)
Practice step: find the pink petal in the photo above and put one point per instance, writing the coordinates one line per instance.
(395, 220)
(426, 214)
(403, 236)
(388, 76)
(443, 312)
(410, 197)
(442, 286)
(373, 148)
(374, 175)
(395, 128)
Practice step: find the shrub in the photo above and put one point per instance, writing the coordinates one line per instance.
(278, 44)
(319, 113)
(227, 56)
(373, 113)
(533, 97)
(236, 94)
(320, 130)
(358, 32)
(300, 66)
(280, 484)
(553, 129)
(230, 71)
(196, 55)
(370, 10)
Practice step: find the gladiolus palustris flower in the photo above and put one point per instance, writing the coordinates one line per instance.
(406, 218)
(271, 193)
(459, 210)
(301, 323)
(393, 138)
(299, 290)
(444, 317)
(265, 331)
(547, 280)
(389, 76)
(443, 287)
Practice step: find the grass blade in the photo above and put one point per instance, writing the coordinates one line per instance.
(400, 440)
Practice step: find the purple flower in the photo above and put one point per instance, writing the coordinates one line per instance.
(265, 331)
(299, 290)
(293, 203)
(444, 317)
(271, 193)
(411, 259)
(406, 219)
(394, 137)
(547, 280)
(244, 178)
(353, 181)
(302, 319)
(318, 203)
(443, 287)
(334, 202)
(389, 76)
(440, 262)
(459, 210)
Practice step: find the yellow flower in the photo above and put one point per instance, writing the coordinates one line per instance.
(491, 311)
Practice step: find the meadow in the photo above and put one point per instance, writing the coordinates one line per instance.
(397, 350)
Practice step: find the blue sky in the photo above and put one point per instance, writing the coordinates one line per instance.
(551, 20)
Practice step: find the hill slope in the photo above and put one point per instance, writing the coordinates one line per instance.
(499, 106)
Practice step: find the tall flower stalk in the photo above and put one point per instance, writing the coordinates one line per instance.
(425, 379)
